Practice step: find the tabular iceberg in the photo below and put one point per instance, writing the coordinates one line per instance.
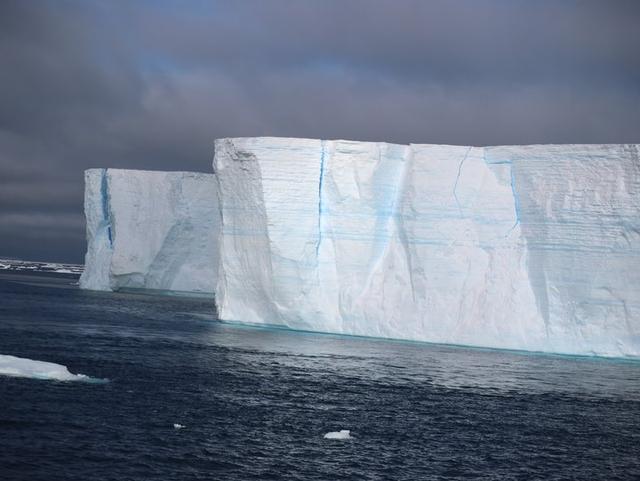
(151, 230)
(520, 247)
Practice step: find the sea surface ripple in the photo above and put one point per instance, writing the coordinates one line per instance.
(255, 403)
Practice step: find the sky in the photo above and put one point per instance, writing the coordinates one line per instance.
(151, 84)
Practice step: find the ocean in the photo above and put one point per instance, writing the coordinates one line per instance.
(173, 394)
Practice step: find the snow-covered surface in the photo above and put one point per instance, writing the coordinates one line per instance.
(22, 367)
(34, 266)
(520, 247)
(150, 230)
(342, 434)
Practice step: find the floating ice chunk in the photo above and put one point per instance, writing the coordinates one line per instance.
(342, 434)
(21, 367)
(179, 426)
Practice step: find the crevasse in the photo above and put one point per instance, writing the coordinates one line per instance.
(320, 206)
(104, 195)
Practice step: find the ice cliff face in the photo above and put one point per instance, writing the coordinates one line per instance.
(150, 230)
(521, 247)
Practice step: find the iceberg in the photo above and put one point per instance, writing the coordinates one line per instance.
(533, 247)
(23, 367)
(519, 247)
(150, 230)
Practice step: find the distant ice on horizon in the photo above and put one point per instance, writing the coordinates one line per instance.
(37, 266)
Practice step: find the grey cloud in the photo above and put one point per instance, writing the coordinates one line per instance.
(150, 84)
(437, 39)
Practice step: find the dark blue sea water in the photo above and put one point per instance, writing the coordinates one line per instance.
(255, 403)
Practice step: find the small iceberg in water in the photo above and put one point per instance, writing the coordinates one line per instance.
(22, 367)
(179, 426)
(342, 434)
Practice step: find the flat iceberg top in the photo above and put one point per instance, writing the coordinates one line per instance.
(141, 172)
(280, 142)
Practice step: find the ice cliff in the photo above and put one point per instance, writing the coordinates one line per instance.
(521, 247)
(150, 230)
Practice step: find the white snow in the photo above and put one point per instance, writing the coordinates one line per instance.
(520, 247)
(150, 230)
(22, 367)
(342, 434)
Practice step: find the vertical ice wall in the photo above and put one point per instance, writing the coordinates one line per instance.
(150, 230)
(580, 211)
(96, 275)
(523, 247)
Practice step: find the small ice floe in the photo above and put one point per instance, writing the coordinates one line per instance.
(342, 434)
(22, 367)
(179, 426)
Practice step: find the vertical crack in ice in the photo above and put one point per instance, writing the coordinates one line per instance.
(455, 185)
(400, 220)
(104, 194)
(320, 207)
(516, 201)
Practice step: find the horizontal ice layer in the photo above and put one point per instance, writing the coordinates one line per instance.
(150, 230)
(523, 247)
(23, 367)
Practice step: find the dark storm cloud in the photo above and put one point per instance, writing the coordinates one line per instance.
(151, 84)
